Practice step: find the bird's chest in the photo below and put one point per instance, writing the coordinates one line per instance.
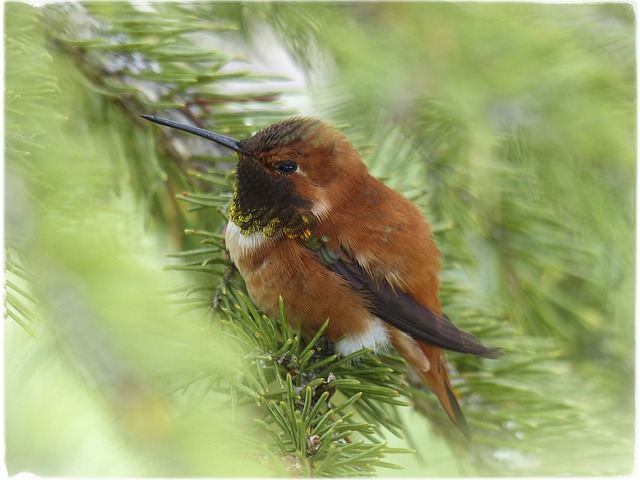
(275, 267)
(260, 261)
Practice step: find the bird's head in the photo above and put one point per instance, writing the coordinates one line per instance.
(289, 175)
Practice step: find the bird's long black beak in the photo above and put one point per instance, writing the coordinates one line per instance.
(234, 145)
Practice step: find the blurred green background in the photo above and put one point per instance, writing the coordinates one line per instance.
(512, 125)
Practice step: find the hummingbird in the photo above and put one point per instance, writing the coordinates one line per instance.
(308, 223)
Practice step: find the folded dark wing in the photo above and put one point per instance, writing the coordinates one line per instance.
(400, 310)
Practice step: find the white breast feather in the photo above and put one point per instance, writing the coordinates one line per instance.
(240, 245)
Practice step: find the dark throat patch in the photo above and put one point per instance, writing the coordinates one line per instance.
(268, 204)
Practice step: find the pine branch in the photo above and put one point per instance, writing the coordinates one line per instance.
(297, 382)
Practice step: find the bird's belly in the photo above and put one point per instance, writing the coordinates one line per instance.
(374, 336)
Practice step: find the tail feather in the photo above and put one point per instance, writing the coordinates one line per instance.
(440, 384)
(455, 412)
(429, 363)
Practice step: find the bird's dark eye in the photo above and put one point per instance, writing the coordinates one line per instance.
(286, 167)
